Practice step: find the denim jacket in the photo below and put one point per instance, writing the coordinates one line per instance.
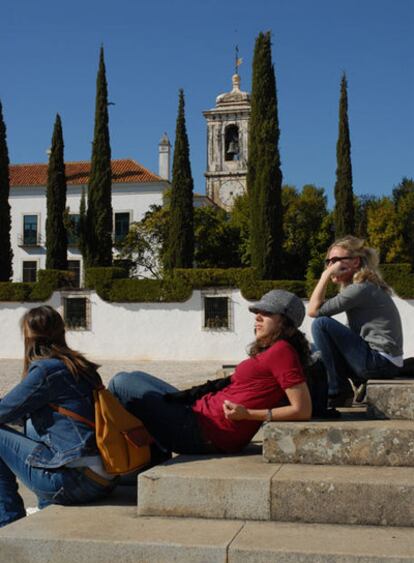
(61, 438)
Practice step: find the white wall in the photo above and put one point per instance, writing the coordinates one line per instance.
(161, 331)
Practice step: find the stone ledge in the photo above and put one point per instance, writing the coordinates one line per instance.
(245, 487)
(232, 487)
(86, 535)
(106, 534)
(390, 399)
(261, 542)
(342, 442)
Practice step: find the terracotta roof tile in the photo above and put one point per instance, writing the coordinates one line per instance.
(77, 173)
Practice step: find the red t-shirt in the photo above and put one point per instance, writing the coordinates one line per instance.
(257, 383)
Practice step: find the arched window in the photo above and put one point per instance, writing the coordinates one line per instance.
(231, 144)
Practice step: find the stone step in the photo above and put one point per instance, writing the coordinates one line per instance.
(247, 488)
(392, 399)
(108, 534)
(340, 442)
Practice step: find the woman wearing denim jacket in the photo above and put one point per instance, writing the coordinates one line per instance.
(57, 458)
(372, 345)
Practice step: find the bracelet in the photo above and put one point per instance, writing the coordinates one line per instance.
(269, 415)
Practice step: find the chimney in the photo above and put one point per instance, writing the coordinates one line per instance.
(164, 156)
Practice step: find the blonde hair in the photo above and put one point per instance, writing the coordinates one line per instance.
(369, 261)
(44, 337)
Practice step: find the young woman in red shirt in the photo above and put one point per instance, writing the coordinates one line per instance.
(268, 386)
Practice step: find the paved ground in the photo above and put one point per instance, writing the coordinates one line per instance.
(180, 374)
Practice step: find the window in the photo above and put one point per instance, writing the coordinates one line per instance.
(29, 270)
(30, 235)
(76, 312)
(73, 229)
(121, 226)
(74, 267)
(216, 312)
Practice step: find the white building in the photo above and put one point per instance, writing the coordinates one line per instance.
(134, 190)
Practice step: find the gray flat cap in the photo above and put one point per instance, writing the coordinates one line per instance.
(279, 301)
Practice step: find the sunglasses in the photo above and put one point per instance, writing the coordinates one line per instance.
(336, 259)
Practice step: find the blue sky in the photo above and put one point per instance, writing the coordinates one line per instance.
(49, 56)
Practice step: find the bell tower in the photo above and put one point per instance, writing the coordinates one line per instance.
(227, 139)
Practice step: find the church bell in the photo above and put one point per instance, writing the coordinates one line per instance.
(233, 148)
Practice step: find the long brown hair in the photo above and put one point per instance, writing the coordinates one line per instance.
(287, 331)
(44, 337)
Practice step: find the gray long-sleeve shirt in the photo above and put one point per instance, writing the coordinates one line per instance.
(371, 313)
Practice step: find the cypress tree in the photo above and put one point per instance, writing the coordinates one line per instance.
(344, 213)
(264, 176)
(99, 213)
(180, 240)
(56, 236)
(6, 253)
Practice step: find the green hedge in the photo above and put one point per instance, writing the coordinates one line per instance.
(215, 277)
(47, 282)
(180, 284)
(257, 288)
(112, 285)
(401, 278)
(144, 291)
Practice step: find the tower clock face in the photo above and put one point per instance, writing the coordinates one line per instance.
(229, 191)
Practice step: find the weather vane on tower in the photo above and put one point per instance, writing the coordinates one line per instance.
(239, 60)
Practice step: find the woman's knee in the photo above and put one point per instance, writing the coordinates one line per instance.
(134, 385)
(320, 324)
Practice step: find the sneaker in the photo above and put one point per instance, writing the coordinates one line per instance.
(341, 399)
(360, 393)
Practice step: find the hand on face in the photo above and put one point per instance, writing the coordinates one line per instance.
(340, 266)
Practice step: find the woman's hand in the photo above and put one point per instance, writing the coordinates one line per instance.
(300, 407)
(234, 412)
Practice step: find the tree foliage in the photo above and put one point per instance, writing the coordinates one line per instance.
(6, 253)
(384, 230)
(264, 176)
(217, 240)
(344, 203)
(143, 245)
(179, 249)
(98, 243)
(56, 236)
(361, 205)
(303, 215)
(403, 197)
(240, 220)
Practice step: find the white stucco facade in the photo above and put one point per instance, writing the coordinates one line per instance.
(134, 198)
(162, 331)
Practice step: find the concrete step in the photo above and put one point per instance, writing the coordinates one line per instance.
(340, 442)
(108, 534)
(247, 488)
(392, 399)
(261, 542)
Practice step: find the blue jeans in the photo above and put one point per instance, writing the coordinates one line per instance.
(347, 355)
(174, 426)
(52, 486)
